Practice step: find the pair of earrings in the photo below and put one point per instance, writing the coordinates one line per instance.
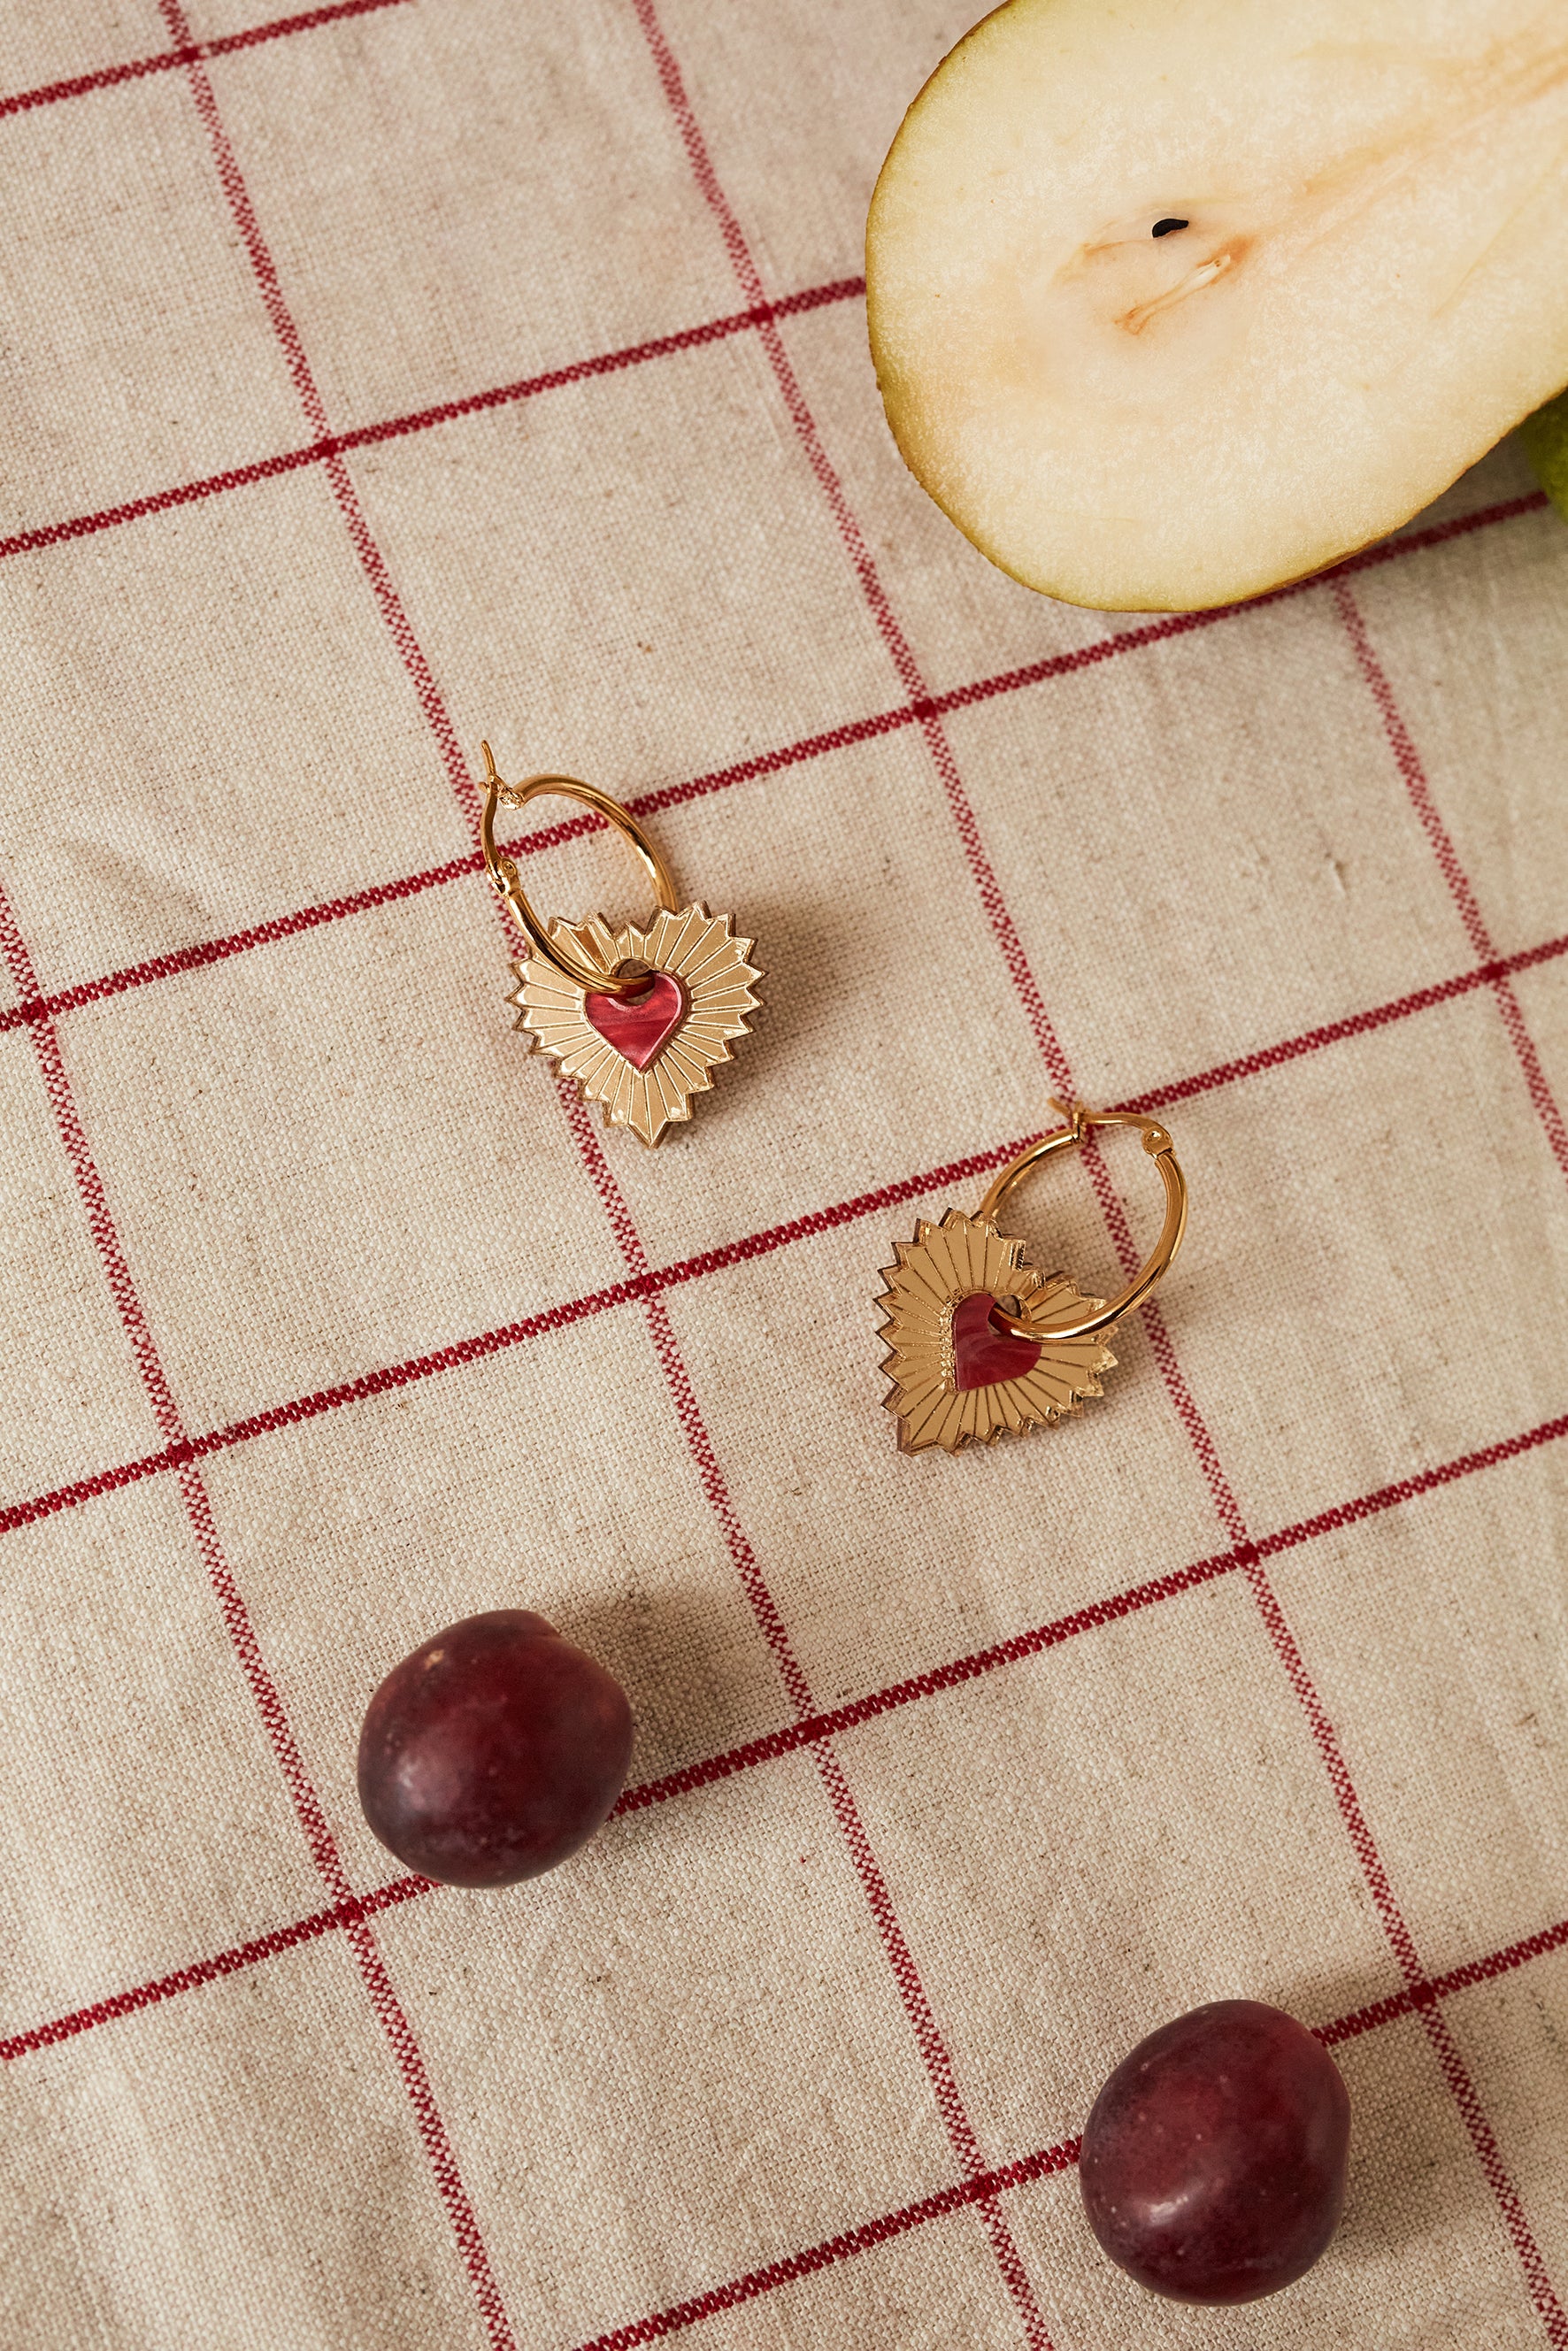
(981, 1342)
(498, 1747)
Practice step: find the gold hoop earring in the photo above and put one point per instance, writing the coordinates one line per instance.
(640, 1017)
(981, 1342)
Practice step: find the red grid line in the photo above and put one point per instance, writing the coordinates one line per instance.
(1040, 2165)
(990, 893)
(385, 893)
(982, 2189)
(622, 1223)
(225, 1963)
(1353, 1024)
(247, 1653)
(265, 271)
(685, 338)
(1357, 1827)
(812, 1728)
(807, 1227)
(656, 347)
(328, 445)
(1371, 2017)
(912, 1993)
(1033, 1004)
(187, 53)
(1111, 1611)
(211, 951)
(1407, 760)
(1395, 1927)
(1444, 1986)
(668, 795)
(675, 2319)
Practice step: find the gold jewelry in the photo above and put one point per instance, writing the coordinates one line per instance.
(980, 1342)
(639, 1017)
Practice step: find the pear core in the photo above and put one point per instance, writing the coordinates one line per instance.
(1174, 300)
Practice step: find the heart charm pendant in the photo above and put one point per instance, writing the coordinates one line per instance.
(639, 1025)
(980, 1341)
(644, 1053)
(983, 1356)
(960, 1374)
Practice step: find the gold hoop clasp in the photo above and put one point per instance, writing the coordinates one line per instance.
(503, 872)
(1158, 1144)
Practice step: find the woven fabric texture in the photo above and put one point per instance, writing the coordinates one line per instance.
(406, 372)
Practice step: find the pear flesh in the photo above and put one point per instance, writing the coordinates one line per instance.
(1174, 300)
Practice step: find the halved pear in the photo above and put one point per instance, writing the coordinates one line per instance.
(1173, 300)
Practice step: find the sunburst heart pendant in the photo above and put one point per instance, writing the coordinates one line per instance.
(981, 1343)
(969, 1325)
(642, 1055)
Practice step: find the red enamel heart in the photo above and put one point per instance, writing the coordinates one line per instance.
(639, 1025)
(984, 1356)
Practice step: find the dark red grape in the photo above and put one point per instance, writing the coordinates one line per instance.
(1214, 2160)
(494, 1751)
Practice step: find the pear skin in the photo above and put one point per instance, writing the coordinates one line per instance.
(1546, 439)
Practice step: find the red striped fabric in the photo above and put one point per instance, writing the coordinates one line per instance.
(559, 2167)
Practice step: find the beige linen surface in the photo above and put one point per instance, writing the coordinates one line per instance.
(415, 369)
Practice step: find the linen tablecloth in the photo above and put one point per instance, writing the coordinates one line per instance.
(404, 372)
